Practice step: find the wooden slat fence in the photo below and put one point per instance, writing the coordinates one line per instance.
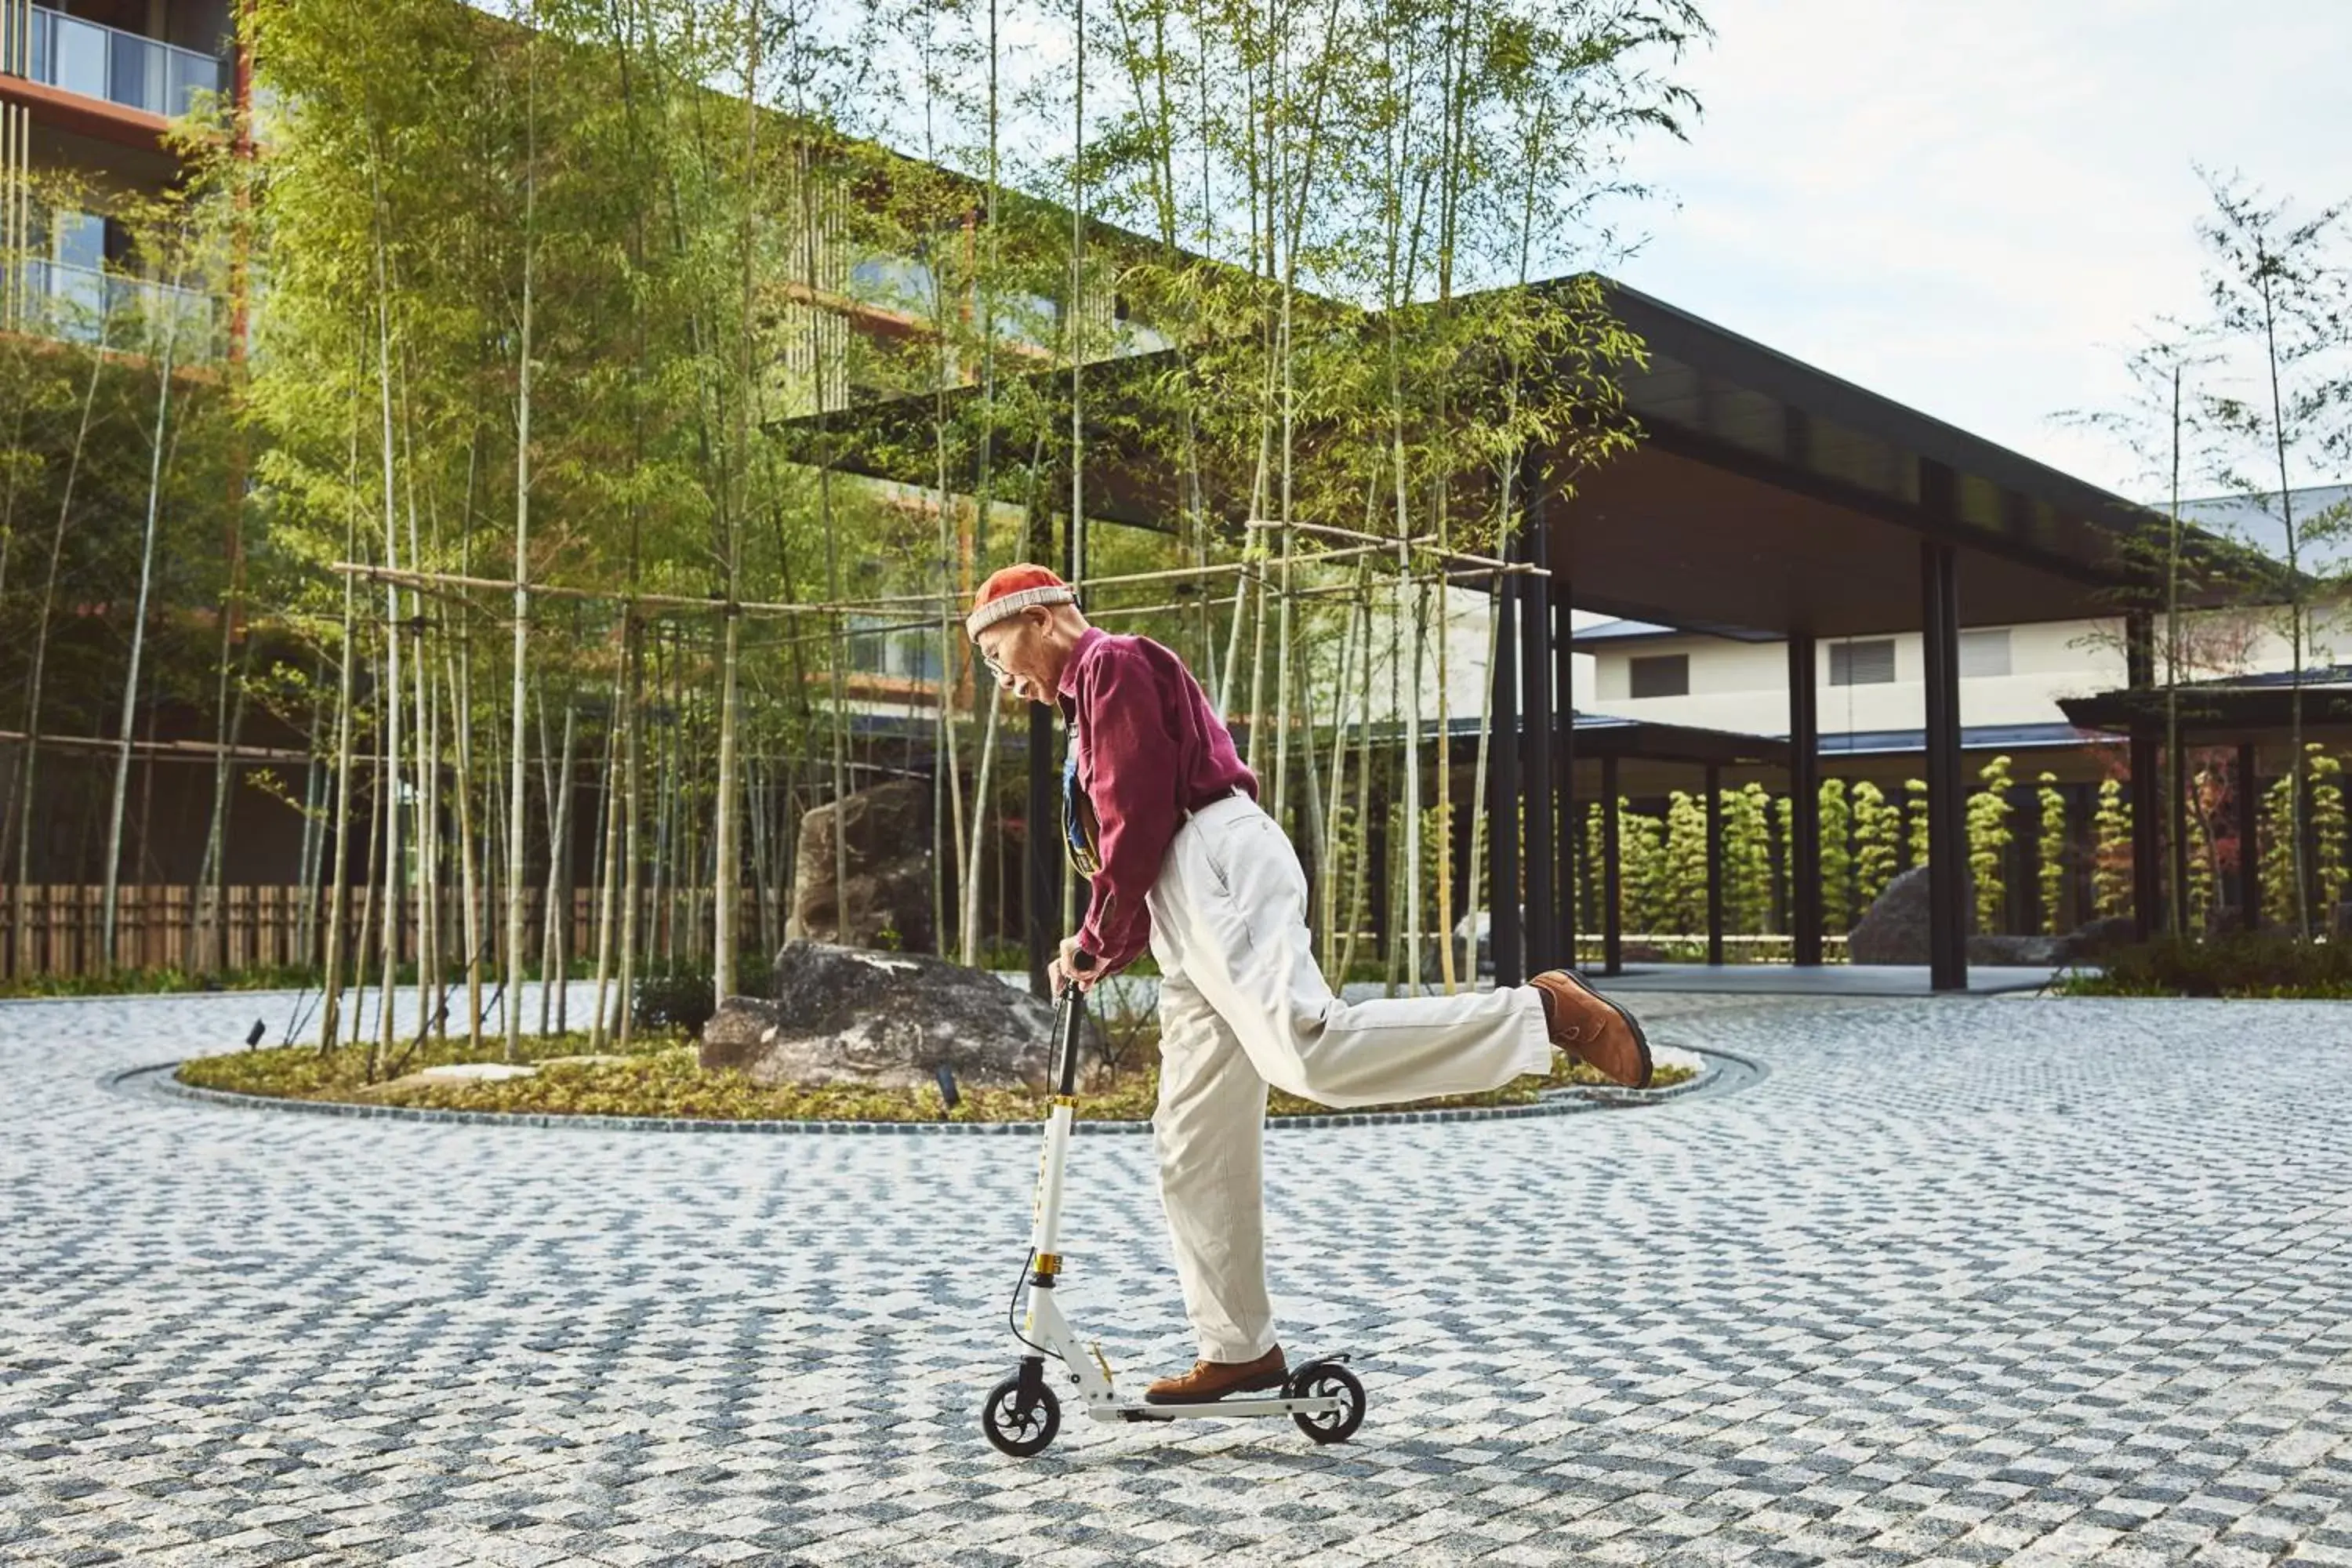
(59, 929)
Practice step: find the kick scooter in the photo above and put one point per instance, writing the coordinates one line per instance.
(1023, 1414)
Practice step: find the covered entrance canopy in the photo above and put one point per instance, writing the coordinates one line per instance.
(1768, 497)
(1764, 496)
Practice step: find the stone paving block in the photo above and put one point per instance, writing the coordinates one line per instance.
(1960, 1283)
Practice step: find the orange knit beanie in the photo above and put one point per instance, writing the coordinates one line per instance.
(1013, 590)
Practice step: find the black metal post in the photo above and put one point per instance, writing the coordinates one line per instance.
(1043, 897)
(1714, 864)
(2146, 793)
(2250, 818)
(1948, 928)
(1503, 791)
(1804, 802)
(1563, 775)
(1613, 925)
(1044, 900)
(1535, 730)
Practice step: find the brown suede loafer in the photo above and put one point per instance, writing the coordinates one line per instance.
(1213, 1380)
(1592, 1028)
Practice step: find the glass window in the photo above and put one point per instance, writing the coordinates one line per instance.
(77, 239)
(1870, 663)
(137, 78)
(1661, 675)
(77, 57)
(1984, 653)
(189, 74)
(895, 282)
(908, 653)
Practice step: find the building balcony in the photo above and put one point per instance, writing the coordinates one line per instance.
(94, 60)
(133, 315)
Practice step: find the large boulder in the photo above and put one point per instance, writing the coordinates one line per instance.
(889, 888)
(1895, 931)
(1894, 928)
(891, 1019)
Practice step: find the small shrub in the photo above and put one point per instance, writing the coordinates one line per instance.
(2250, 965)
(673, 1000)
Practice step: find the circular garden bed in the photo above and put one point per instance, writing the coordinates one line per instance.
(658, 1079)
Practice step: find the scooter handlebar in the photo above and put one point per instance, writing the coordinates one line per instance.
(1069, 1027)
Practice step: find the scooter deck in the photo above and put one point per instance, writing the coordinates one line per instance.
(1138, 1410)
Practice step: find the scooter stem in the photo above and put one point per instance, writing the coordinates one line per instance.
(1045, 1238)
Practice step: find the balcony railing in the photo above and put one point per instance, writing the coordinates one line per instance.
(82, 304)
(99, 61)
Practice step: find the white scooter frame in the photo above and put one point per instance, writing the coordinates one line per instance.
(1023, 1414)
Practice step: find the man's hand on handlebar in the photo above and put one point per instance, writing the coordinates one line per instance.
(1074, 966)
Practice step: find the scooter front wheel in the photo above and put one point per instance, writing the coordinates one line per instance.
(1328, 1380)
(1022, 1436)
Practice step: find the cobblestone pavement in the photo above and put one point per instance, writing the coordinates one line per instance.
(1960, 1283)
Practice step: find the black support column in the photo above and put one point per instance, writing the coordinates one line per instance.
(2146, 793)
(1503, 790)
(1947, 916)
(2250, 818)
(1713, 865)
(1536, 752)
(1042, 898)
(1804, 802)
(1563, 774)
(1612, 928)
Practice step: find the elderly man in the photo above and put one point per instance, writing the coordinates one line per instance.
(1164, 819)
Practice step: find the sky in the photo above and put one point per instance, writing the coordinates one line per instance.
(1973, 207)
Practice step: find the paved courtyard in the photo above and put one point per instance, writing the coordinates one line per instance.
(1970, 1281)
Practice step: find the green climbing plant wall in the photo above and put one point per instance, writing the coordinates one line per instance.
(1989, 840)
(1877, 840)
(2050, 853)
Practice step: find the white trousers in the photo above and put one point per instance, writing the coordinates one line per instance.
(1243, 1004)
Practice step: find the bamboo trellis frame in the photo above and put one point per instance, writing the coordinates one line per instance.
(1425, 544)
(452, 583)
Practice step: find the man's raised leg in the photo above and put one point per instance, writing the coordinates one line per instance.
(1242, 898)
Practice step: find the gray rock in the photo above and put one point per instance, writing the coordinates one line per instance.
(890, 888)
(2017, 951)
(843, 1015)
(1894, 928)
(1895, 931)
(2098, 937)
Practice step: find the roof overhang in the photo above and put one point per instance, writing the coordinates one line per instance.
(1769, 495)
(2224, 713)
(1764, 498)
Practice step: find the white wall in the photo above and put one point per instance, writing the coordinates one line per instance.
(1745, 686)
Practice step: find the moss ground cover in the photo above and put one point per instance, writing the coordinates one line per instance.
(660, 1077)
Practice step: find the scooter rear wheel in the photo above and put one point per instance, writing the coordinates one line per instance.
(1328, 1380)
(1022, 1437)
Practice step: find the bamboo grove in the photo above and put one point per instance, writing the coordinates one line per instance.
(497, 529)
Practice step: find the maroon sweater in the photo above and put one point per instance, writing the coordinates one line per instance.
(1150, 750)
